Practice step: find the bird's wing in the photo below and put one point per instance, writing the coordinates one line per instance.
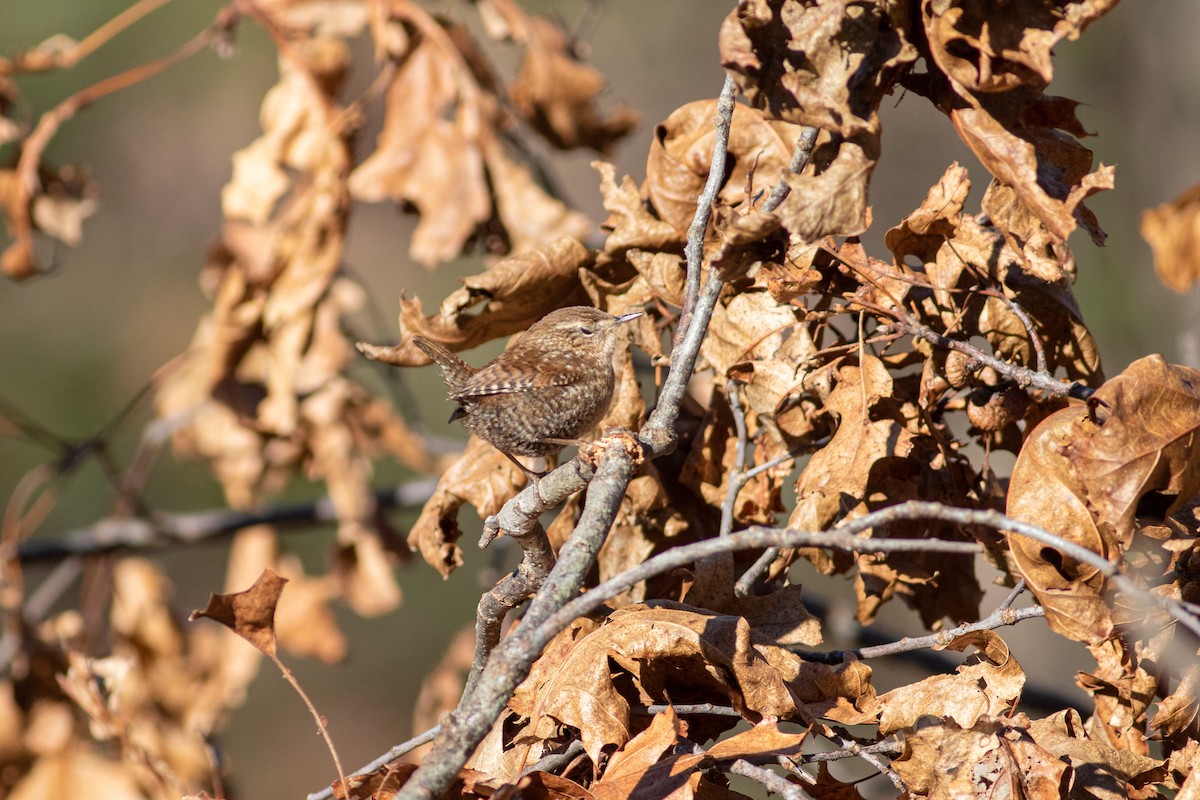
(503, 377)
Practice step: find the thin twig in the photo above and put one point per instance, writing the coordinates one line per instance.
(871, 758)
(845, 537)
(400, 750)
(772, 782)
(997, 619)
(883, 748)
(800, 155)
(687, 708)
(736, 477)
(557, 761)
(1023, 376)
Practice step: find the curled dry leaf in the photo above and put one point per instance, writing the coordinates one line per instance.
(991, 67)
(1173, 231)
(631, 225)
(639, 769)
(1143, 445)
(482, 477)
(985, 684)
(54, 202)
(1095, 762)
(825, 64)
(553, 91)
(440, 149)
(1046, 491)
(516, 292)
(1087, 477)
(943, 759)
(986, 50)
(250, 613)
(698, 657)
(681, 154)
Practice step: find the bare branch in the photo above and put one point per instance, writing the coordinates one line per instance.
(772, 782)
(1023, 376)
(999, 618)
(400, 750)
(800, 155)
(174, 530)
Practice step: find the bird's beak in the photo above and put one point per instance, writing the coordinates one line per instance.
(630, 316)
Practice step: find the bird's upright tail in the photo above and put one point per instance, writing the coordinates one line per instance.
(455, 371)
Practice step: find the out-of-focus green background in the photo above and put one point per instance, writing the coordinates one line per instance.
(77, 344)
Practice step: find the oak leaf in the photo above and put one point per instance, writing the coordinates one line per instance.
(1173, 232)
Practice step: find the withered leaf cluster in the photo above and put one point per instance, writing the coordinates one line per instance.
(832, 383)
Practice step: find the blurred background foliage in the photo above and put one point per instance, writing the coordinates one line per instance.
(77, 344)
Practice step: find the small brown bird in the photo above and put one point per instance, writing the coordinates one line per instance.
(549, 388)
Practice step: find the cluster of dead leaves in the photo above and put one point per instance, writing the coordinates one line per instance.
(814, 347)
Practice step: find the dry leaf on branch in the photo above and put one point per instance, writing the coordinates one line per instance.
(481, 477)
(1086, 476)
(1173, 231)
(250, 613)
(515, 293)
(441, 149)
(943, 759)
(986, 684)
(553, 91)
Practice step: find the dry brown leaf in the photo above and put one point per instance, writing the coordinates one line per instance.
(1096, 763)
(538, 785)
(636, 770)
(993, 757)
(78, 773)
(515, 293)
(1046, 491)
(681, 154)
(440, 151)
(250, 613)
(1173, 232)
(832, 200)
(1178, 711)
(1145, 447)
(989, 49)
(922, 232)
(835, 480)
(1017, 135)
(553, 91)
(1085, 478)
(630, 225)
(826, 64)
(693, 656)
(482, 477)
(985, 684)
(1122, 688)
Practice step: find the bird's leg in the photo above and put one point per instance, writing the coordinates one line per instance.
(530, 475)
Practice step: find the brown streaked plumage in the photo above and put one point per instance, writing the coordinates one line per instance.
(551, 386)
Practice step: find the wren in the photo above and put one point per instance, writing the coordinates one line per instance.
(553, 384)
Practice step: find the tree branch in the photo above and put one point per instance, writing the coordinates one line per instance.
(197, 527)
(1002, 616)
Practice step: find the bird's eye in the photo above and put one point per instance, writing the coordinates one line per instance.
(586, 330)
